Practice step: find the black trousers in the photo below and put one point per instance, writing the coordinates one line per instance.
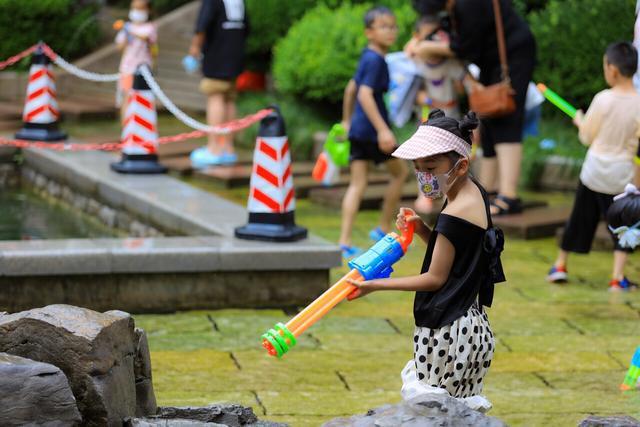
(589, 208)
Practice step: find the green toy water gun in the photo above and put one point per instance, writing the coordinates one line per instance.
(631, 379)
(337, 145)
(335, 155)
(557, 100)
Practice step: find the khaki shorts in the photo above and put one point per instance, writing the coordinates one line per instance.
(217, 86)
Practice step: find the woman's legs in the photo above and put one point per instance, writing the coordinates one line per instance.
(216, 115)
(352, 199)
(230, 114)
(509, 165)
(489, 174)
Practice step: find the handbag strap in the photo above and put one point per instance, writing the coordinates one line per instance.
(502, 47)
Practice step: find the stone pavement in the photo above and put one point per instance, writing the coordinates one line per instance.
(561, 353)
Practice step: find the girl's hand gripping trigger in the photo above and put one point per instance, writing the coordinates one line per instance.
(404, 240)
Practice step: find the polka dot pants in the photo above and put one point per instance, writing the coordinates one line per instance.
(455, 357)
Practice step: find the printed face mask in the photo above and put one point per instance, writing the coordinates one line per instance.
(435, 186)
(136, 15)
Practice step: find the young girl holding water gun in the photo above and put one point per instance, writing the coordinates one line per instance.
(137, 39)
(453, 342)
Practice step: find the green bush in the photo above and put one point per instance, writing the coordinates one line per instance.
(572, 36)
(69, 27)
(302, 120)
(320, 52)
(271, 19)
(525, 7)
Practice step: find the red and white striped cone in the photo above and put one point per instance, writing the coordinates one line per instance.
(41, 112)
(271, 196)
(140, 132)
(325, 170)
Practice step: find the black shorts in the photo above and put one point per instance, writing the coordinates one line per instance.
(367, 150)
(589, 208)
(508, 129)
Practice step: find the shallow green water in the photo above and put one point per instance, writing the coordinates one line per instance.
(26, 216)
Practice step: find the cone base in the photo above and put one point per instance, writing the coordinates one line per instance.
(41, 133)
(271, 232)
(139, 164)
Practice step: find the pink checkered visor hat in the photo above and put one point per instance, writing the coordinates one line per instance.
(429, 141)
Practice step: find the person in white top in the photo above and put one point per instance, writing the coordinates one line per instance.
(611, 129)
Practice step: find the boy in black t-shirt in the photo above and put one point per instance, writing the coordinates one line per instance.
(365, 115)
(220, 38)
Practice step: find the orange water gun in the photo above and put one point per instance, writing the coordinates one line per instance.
(375, 263)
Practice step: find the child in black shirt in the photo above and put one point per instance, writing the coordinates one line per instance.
(453, 342)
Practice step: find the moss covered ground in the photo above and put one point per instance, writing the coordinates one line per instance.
(561, 353)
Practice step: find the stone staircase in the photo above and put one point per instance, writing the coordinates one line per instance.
(175, 30)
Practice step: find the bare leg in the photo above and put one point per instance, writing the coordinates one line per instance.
(509, 161)
(352, 199)
(230, 109)
(489, 173)
(399, 172)
(619, 260)
(215, 116)
(123, 107)
(563, 257)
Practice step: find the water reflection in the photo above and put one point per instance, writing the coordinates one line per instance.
(26, 216)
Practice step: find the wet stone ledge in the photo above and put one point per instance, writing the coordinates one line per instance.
(118, 220)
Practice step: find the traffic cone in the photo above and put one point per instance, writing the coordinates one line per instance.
(325, 170)
(41, 111)
(271, 196)
(140, 132)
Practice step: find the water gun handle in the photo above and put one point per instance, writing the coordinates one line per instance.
(406, 236)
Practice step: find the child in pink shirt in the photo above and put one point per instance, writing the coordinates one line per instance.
(137, 39)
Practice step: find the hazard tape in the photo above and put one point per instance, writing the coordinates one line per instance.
(17, 58)
(173, 108)
(201, 128)
(235, 125)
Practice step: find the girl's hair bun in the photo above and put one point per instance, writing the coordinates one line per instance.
(436, 113)
(461, 128)
(469, 122)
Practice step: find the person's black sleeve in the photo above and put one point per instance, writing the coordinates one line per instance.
(208, 11)
(474, 20)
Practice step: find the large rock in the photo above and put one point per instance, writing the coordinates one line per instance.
(95, 350)
(145, 397)
(34, 393)
(436, 410)
(610, 421)
(207, 416)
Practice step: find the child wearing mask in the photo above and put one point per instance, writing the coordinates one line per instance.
(137, 40)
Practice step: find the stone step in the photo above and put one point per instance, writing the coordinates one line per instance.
(535, 222)
(72, 108)
(10, 125)
(182, 164)
(178, 149)
(372, 199)
(239, 175)
(305, 184)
